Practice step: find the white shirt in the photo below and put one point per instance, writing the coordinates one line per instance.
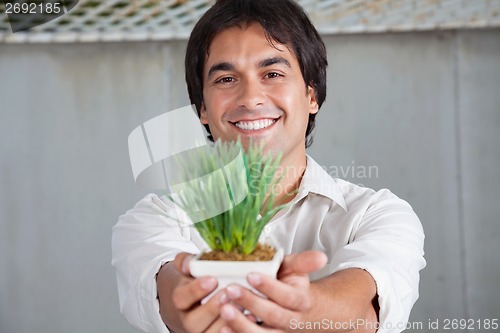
(355, 226)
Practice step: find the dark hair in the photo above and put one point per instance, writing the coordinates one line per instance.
(284, 21)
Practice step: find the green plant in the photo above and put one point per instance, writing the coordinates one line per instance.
(224, 189)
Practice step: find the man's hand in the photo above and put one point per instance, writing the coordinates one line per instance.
(289, 296)
(346, 296)
(180, 298)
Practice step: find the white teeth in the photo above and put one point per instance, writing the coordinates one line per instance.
(255, 125)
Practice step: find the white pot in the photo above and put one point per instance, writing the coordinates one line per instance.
(228, 272)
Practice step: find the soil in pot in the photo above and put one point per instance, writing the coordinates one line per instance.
(262, 252)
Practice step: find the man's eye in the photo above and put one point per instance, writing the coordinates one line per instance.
(273, 75)
(225, 80)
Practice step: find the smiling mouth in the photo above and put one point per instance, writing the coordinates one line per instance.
(255, 125)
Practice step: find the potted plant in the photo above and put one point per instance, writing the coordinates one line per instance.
(227, 193)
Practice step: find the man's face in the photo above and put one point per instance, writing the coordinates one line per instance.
(254, 90)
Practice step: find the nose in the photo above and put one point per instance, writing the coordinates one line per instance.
(251, 94)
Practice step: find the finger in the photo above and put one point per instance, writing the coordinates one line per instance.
(205, 316)
(226, 329)
(251, 317)
(302, 263)
(186, 295)
(181, 262)
(237, 321)
(292, 295)
(216, 326)
(272, 314)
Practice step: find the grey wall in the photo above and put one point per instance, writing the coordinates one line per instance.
(417, 112)
(425, 109)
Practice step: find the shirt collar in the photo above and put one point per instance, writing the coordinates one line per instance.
(317, 180)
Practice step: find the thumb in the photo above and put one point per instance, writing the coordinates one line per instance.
(302, 263)
(181, 262)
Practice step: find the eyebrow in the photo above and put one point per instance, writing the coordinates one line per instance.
(221, 66)
(227, 66)
(273, 61)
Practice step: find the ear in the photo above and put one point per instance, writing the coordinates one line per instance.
(313, 103)
(203, 114)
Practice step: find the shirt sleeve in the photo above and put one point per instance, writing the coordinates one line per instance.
(144, 239)
(388, 243)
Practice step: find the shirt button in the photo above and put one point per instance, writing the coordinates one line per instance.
(267, 229)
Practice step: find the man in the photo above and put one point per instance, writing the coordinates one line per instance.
(256, 69)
